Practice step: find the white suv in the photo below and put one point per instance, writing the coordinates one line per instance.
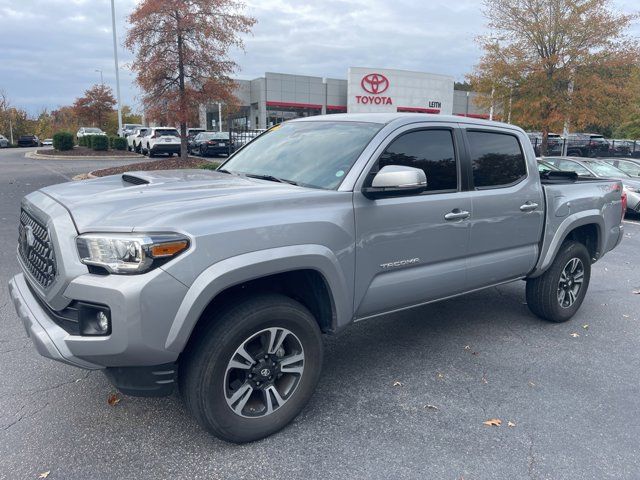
(161, 140)
(89, 131)
(134, 141)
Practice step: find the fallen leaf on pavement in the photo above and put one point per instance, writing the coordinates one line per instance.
(574, 334)
(431, 407)
(494, 422)
(510, 424)
(531, 384)
(585, 326)
(44, 474)
(484, 379)
(625, 316)
(397, 384)
(637, 292)
(113, 399)
(467, 347)
(440, 375)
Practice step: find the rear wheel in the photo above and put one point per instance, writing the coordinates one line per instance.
(149, 151)
(253, 369)
(557, 294)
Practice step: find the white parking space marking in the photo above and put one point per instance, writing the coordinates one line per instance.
(633, 222)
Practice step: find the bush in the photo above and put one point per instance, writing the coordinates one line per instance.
(99, 142)
(209, 166)
(63, 141)
(111, 140)
(82, 141)
(119, 143)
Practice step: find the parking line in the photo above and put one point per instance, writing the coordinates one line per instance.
(631, 221)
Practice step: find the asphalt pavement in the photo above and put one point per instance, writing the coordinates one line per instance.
(401, 397)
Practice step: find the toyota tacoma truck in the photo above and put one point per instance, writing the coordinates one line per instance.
(222, 282)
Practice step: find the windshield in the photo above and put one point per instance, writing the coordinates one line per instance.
(92, 130)
(314, 154)
(605, 170)
(545, 167)
(167, 133)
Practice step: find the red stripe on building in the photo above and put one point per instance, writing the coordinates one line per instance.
(418, 110)
(337, 108)
(294, 105)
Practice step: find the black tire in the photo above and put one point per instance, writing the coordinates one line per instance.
(149, 152)
(201, 152)
(545, 296)
(203, 370)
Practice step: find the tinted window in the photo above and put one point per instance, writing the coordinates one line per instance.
(428, 150)
(167, 133)
(496, 158)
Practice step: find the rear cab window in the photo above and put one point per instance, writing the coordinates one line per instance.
(497, 160)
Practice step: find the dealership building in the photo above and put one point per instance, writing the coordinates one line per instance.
(276, 97)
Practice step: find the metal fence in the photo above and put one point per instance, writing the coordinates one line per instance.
(589, 148)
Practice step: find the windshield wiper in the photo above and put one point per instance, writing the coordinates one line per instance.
(271, 178)
(224, 170)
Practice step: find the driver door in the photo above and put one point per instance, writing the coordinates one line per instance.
(412, 249)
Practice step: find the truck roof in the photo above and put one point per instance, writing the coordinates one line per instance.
(401, 117)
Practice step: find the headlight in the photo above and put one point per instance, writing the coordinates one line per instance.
(129, 253)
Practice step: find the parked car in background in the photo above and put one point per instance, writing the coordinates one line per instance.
(223, 281)
(212, 143)
(47, 142)
(88, 131)
(587, 145)
(4, 143)
(546, 166)
(590, 167)
(630, 166)
(134, 140)
(621, 148)
(128, 129)
(192, 132)
(28, 141)
(159, 140)
(554, 143)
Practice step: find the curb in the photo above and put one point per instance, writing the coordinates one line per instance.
(36, 156)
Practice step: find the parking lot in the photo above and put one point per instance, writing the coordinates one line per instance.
(404, 396)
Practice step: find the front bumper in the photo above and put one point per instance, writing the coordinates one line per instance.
(47, 336)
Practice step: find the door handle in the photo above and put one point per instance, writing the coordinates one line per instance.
(457, 214)
(528, 207)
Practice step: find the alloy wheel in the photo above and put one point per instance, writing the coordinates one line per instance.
(570, 282)
(264, 372)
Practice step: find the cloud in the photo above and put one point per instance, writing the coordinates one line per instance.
(52, 48)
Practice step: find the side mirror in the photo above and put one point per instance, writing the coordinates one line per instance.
(396, 180)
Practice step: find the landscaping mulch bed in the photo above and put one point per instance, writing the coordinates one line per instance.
(172, 163)
(87, 152)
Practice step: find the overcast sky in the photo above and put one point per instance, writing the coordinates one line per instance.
(50, 49)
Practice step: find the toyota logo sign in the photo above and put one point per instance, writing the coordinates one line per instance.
(374, 83)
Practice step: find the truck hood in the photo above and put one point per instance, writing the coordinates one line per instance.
(166, 200)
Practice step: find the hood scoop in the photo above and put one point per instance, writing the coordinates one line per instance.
(134, 179)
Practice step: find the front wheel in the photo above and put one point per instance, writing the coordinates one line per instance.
(557, 294)
(253, 368)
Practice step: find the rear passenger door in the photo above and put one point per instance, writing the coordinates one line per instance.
(507, 208)
(412, 249)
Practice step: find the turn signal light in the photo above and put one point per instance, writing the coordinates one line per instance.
(168, 249)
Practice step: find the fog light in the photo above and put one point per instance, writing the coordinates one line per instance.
(103, 321)
(94, 320)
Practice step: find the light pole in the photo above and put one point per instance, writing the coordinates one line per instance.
(101, 77)
(115, 58)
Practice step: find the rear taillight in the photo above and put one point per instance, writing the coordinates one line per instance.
(211, 142)
(624, 203)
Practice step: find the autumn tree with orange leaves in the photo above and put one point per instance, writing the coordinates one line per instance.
(93, 108)
(557, 63)
(182, 54)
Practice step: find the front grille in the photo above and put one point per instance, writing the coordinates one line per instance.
(36, 249)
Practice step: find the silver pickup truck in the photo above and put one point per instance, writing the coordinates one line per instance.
(223, 282)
